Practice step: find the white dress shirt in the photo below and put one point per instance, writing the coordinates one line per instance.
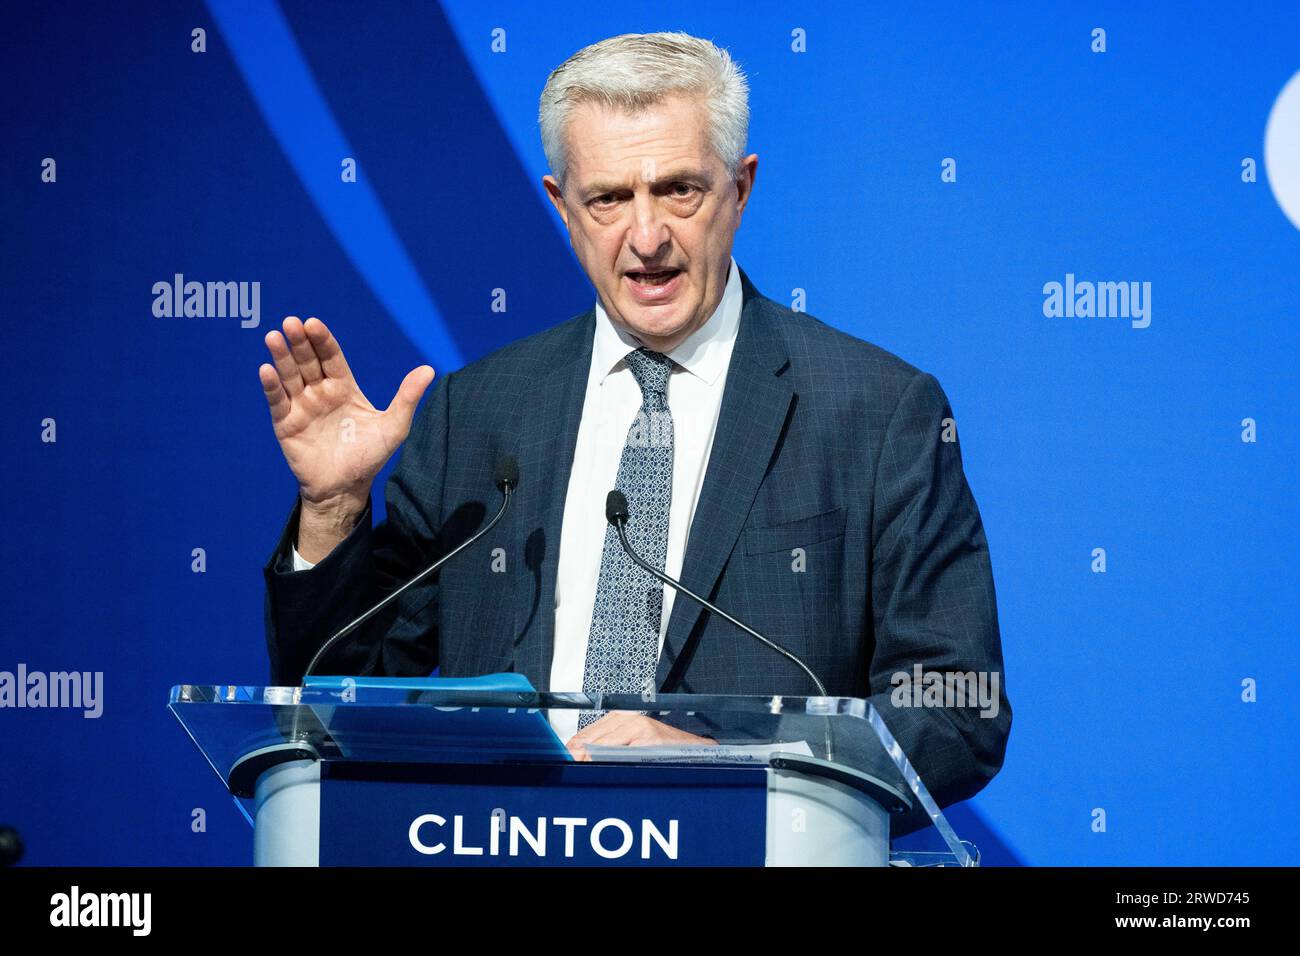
(612, 400)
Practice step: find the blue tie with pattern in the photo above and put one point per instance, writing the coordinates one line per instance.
(623, 647)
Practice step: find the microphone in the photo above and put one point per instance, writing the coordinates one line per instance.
(616, 513)
(506, 477)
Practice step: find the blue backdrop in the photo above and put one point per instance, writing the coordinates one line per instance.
(925, 171)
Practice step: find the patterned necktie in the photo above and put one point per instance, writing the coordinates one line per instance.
(623, 647)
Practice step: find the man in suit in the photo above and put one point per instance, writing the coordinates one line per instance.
(796, 476)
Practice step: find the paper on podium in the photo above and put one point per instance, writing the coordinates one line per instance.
(758, 754)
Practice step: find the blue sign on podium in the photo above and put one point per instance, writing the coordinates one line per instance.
(579, 814)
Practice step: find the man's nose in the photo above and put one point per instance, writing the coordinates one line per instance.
(649, 234)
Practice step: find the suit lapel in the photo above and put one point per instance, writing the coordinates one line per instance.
(548, 434)
(755, 405)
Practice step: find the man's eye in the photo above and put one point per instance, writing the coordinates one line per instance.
(682, 190)
(604, 200)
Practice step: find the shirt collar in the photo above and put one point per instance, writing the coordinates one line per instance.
(704, 353)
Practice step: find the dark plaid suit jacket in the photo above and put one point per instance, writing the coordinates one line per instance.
(824, 443)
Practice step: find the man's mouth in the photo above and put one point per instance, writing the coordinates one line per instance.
(654, 278)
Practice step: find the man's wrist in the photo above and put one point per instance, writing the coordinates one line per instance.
(322, 527)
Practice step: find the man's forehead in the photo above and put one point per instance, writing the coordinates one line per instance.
(663, 142)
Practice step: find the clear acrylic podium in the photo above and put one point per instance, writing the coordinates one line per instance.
(358, 775)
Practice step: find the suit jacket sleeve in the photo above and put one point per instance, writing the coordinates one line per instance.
(932, 597)
(303, 608)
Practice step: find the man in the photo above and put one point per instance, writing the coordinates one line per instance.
(796, 476)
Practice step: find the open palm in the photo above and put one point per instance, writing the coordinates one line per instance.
(333, 438)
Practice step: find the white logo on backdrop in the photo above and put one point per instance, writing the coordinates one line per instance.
(1282, 150)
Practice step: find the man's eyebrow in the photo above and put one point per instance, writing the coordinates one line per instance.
(601, 187)
(687, 174)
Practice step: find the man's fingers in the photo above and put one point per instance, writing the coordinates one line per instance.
(610, 731)
(285, 366)
(327, 349)
(276, 397)
(597, 726)
(409, 394)
(577, 743)
(303, 353)
(622, 729)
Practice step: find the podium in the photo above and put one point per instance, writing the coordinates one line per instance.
(422, 772)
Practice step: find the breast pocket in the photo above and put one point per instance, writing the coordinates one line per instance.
(787, 582)
(796, 533)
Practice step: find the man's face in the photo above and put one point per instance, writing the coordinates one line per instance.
(652, 214)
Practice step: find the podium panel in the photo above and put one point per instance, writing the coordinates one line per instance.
(422, 772)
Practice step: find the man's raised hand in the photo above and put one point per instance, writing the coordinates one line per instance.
(334, 440)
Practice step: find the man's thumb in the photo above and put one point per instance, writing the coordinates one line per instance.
(410, 392)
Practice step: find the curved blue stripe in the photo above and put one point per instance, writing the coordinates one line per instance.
(282, 84)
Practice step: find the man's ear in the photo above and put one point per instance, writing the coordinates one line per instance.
(556, 195)
(745, 181)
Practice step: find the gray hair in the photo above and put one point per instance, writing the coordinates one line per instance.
(636, 70)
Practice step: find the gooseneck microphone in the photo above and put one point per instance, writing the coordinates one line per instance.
(506, 477)
(616, 513)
